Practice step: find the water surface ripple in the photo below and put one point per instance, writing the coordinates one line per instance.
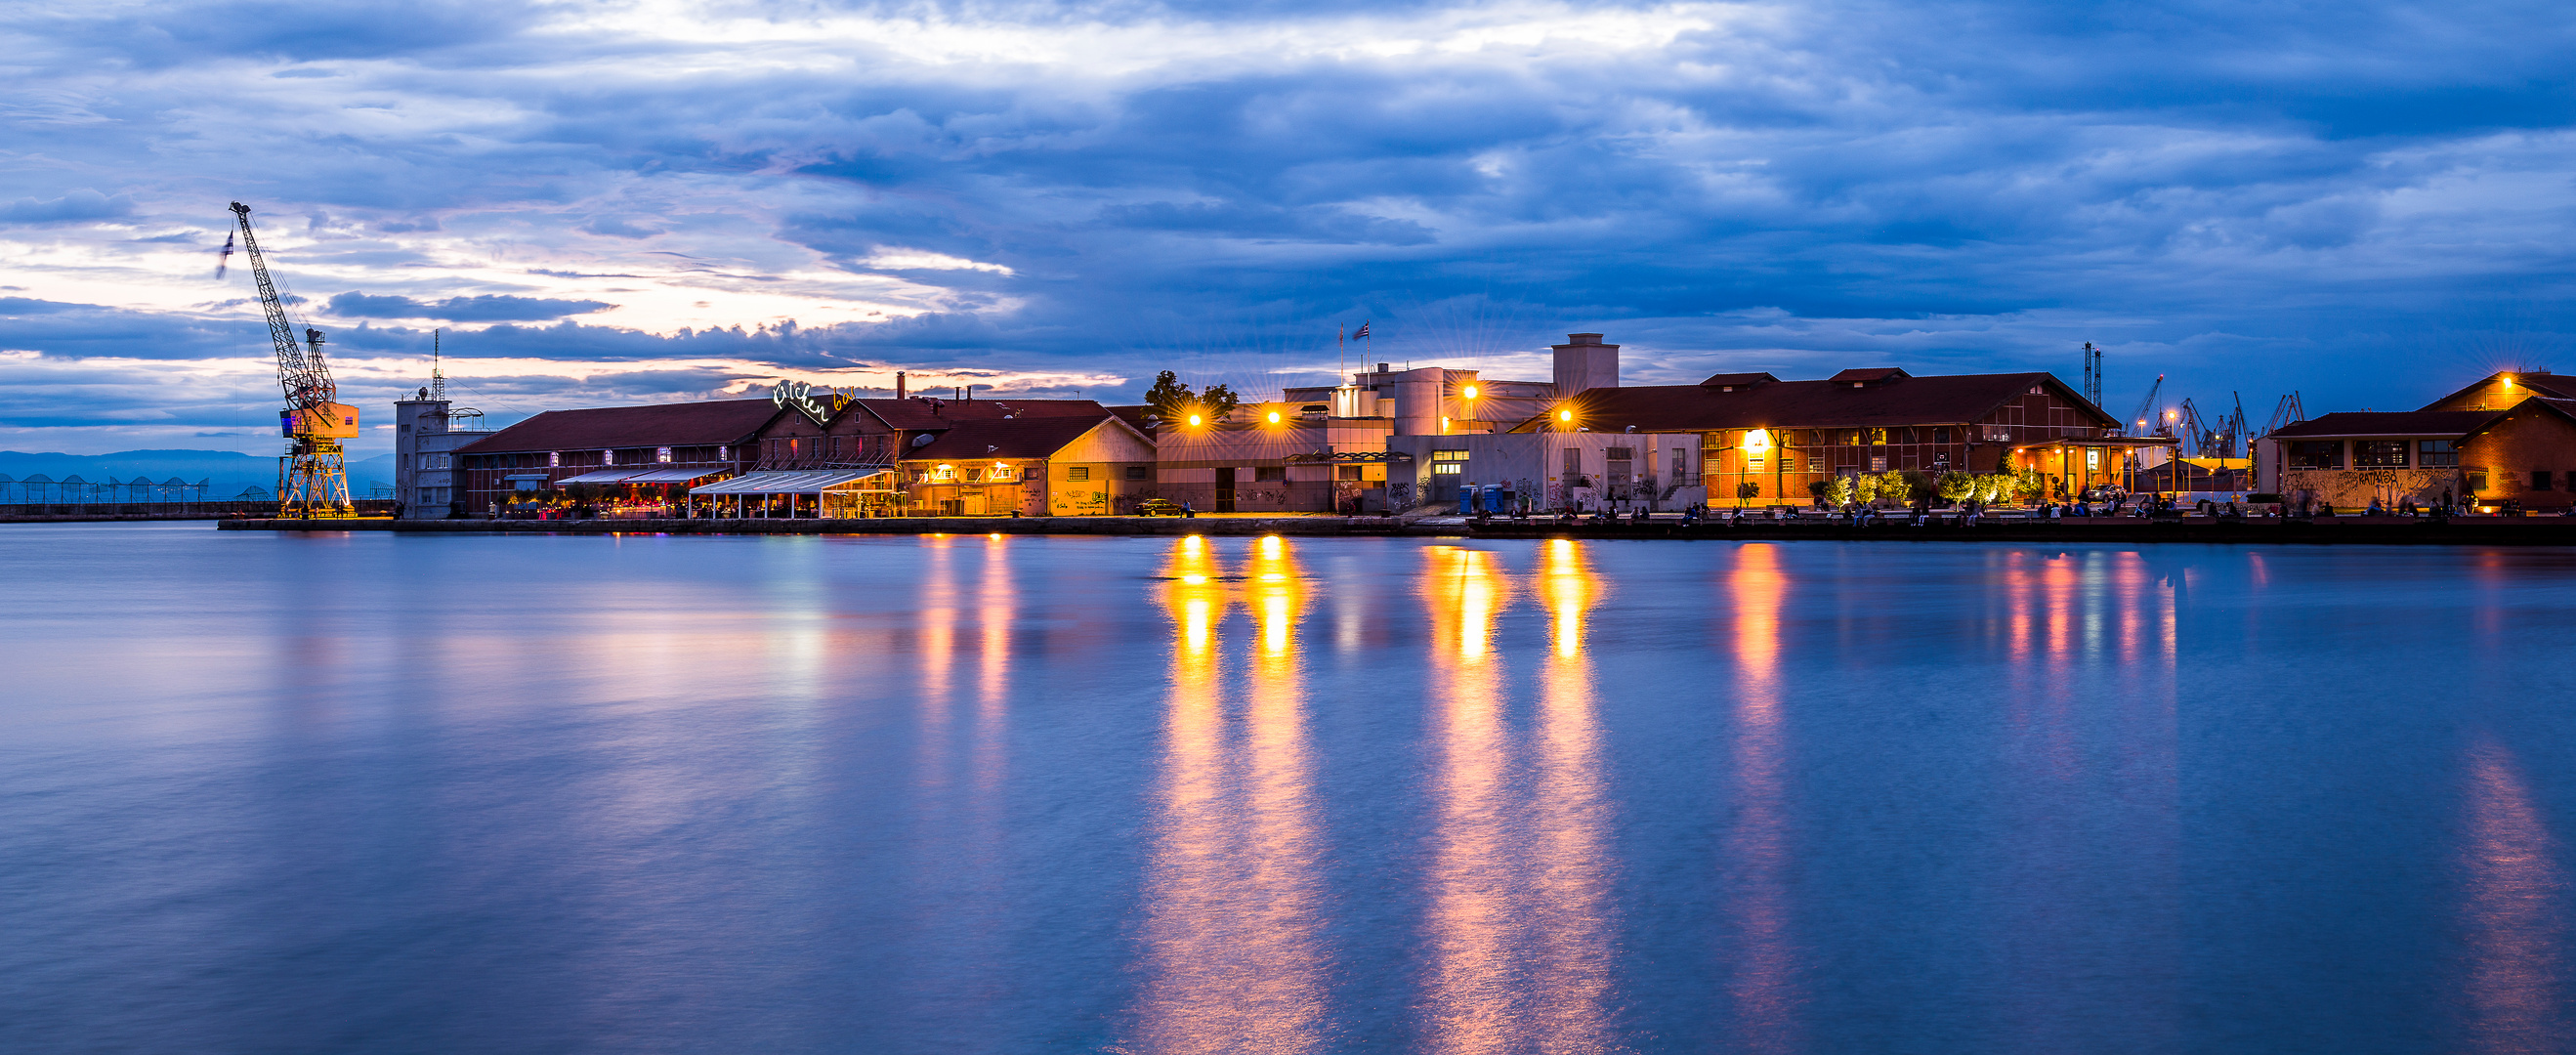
(275, 793)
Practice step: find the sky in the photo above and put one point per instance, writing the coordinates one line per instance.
(2367, 203)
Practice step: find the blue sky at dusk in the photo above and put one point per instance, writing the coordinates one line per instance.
(610, 203)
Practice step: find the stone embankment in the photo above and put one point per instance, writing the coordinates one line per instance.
(2477, 531)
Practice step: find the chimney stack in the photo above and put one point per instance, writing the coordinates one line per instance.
(898, 384)
(1584, 363)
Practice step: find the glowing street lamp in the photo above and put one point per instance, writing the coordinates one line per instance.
(1274, 417)
(1469, 391)
(1195, 419)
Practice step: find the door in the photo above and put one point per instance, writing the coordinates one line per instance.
(1225, 490)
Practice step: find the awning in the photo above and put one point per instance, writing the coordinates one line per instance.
(807, 482)
(528, 476)
(604, 476)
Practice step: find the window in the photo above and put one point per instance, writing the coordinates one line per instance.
(2316, 454)
(2038, 390)
(2378, 454)
(1448, 456)
(1815, 463)
(974, 476)
(1877, 436)
(1446, 468)
(1078, 472)
(724, 454)
(1753, 463)
(2540, 479)
(1621, 454)
(944, 472)
(1878, 463)
(1941, 434)
(2477, 480)
(1346, 472)
(1270, 474)
(1000, 474)
(554, 459)
(2431, 453)
(1139, 472)
(1999, 434)
(662, 454)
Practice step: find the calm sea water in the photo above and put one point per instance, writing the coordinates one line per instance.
(284, 793)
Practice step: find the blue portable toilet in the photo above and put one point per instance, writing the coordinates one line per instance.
(1499, 498)
(1467, 498)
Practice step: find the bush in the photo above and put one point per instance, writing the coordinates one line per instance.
(1838, 491)
(1895, 488)
(1957, 486)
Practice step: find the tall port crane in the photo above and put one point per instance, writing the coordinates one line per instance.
(313, 476)
(2145, 424)
(2213, 439)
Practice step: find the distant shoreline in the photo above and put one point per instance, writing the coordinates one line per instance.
(2378, 531)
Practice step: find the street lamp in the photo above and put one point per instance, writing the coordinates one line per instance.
(1274, 417)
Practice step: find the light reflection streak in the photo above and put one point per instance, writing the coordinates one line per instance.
(1762, 988)
(1472, 990)
(1570, 879)
(2516, 943)
(996, 604)
(1233, 922)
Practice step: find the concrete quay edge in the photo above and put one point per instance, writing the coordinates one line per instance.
(2519, 532)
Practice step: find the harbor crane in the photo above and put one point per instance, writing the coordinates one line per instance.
(313, 476)
(2213, 439)
(2147, 425)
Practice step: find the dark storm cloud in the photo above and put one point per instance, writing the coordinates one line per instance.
(2246, 196)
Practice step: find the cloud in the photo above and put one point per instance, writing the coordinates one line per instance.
(2356, 204)
(73, 207)
(484, 308)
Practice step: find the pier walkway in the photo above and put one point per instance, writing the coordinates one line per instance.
(2478, 531)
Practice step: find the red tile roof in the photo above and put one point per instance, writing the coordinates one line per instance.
(924, 414)
(1722, 380)
(2390, 423)
(1950, 399)
(724, 421)
(1013, 438)
(2537, 382)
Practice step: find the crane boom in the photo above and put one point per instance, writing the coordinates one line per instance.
(312, 477)
(2147, 406)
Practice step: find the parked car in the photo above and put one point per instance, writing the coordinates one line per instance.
(1158, 507)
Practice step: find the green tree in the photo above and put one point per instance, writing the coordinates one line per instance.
(1958, 486)
(1894, 488)
(1838, 491)
(1174, 400)
(1747, 489)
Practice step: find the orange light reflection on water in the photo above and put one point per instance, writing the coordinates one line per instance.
(1763, 986)
(1232, 924)
(1570, 873)
(1473, 987)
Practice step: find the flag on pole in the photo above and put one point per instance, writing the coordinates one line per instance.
(224, 258)
(1361, 333)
